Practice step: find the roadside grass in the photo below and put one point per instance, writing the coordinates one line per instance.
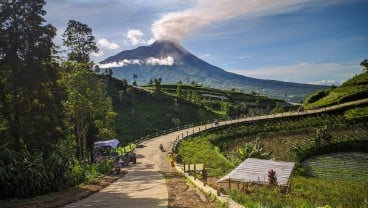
(201, 151)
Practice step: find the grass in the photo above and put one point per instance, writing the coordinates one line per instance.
(200, 150)
(306, 192)
(353, 89)
(282, 136)
(360, 113)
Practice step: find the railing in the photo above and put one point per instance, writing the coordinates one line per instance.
(195, 128)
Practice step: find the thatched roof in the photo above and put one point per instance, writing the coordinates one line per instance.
(256, 171)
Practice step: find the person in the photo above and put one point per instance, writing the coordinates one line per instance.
(118, 165)
(162, 148)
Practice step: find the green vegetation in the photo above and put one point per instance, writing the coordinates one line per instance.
(52, 109)
(338, 166)
(357, 113)
(141, 112)
(290, 139)
(353, 89)
(306, 192)
(201, 150)
(229, 103)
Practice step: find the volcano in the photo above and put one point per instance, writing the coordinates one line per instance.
(173, 63)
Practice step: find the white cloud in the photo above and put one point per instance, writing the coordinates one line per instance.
(104, 43)
(135, 36)
(312, 73)
(98, 54)
(177, 25)
(205, 56)
(150, 41)
(244, 57)
(328, 82)
(168, 61)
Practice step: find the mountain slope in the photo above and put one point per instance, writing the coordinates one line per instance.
(353, 89)
(172, 63)
(141, 113)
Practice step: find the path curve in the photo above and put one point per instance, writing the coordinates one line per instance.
(144, 186)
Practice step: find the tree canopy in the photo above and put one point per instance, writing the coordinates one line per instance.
(80, 41)
(50, 112)
(364, 64)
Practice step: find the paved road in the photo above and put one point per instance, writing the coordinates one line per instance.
(144, 185)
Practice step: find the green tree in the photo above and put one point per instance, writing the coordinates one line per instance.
(135, 77)
(96, 69)
(179, 92)
(108, 72)
(80, 41)
(157, 83)
(278, 108)
(25, 38)
(364, 64)
(88, 106)
(253, 151)
(30, 94)
(32, 117)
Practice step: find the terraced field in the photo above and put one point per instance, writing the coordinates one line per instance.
(339, 166)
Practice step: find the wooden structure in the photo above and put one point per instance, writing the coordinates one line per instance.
(256, 171)
(196, 169)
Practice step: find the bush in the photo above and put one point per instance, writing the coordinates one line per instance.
(105, 167)
(317, 96)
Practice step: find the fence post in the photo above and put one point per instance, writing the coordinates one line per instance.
(195, 175)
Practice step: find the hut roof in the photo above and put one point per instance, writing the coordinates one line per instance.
(256, 171)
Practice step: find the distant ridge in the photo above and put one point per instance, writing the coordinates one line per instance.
(173, 63)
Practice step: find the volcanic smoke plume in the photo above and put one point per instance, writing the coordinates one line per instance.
(177, 25)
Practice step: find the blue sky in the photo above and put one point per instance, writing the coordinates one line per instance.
(306, 41)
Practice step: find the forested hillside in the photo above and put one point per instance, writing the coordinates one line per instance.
(52, 108)
(141, 112)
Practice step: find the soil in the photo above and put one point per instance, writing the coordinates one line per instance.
(181, 193)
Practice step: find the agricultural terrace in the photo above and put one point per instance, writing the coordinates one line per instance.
(307, 140)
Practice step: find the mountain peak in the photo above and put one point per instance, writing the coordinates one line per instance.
(171, 62)
(159, 49)
(167, 44)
